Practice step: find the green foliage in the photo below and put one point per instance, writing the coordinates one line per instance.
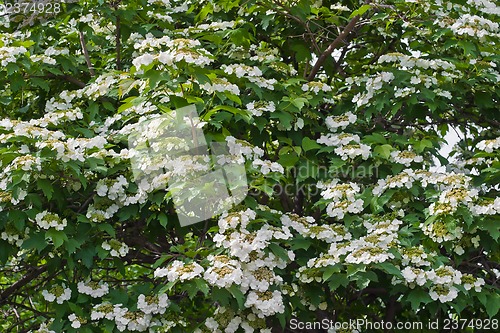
(347, 217)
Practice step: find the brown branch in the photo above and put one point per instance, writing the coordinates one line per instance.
(68, 78)
(342, 38)
(86, 54)
(21, 283)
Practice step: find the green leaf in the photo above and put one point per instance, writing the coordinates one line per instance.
(288, 160)
(492, 226)
(35, 241)
(202, 286)
(329, 271)
(360, 11)
(46, 186)
(309, 144)
(418, 296)
(238, 295)
(389, 268)
(162, 217)
(383, 151)
(300, 243)
(491, 302)
(108, 228)
(279, 251)
(340, 280)
(40, 83)
(57, 236)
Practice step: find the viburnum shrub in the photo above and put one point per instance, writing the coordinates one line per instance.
(338, 110)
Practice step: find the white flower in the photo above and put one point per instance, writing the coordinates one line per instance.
(93, 289)
(316, 87)
(334, 122)
(145, 59)
(116, 248)
(257, 108)
(223, 271)
(220, 85)
(406, 157)
(178, 270)
(443, 293)
(153, 304)
(76, 322)
(489, 145)
(57, 293)
(353, 150)
(268, 166)
(265, 303)
(48, 220)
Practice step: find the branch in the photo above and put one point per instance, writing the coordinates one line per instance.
(86, 54)
(68, 78)
(341, 38)
(21, 283)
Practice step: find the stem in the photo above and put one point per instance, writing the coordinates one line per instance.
(341, 38)
(86, 54)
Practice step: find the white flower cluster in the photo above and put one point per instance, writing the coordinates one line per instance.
(267, 166)
(353, 150)
(342, 121)
(266, 303)
(382, 235)
(213, 26)
(257, 108)
(341, 139)
(156, 304)
(76, 321)
(93, 289)
(220, 85)
(48, 220)
(343, 198)
(489, 145)
(11, 234)
(474, 25)
(73, 149)
(8, 54)
(242, 70)
(409, 62)
(264, 54)
(486, 207)
(440, 231)
(241, 148)
(180, 271)
(116, 248)
(57, 293)
(100, 86)
(253, 268)
(316, 87)
(406, 157)
(407, 177)
(263, 82)
(131, 320)
(178, 50)
(485, 6)
(372, 85)
(113, 189)
(223, 271)
(227, 321)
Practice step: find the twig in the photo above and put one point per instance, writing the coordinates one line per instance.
(341, 38)
(21, 283)
(86, 54)
(68, 78)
